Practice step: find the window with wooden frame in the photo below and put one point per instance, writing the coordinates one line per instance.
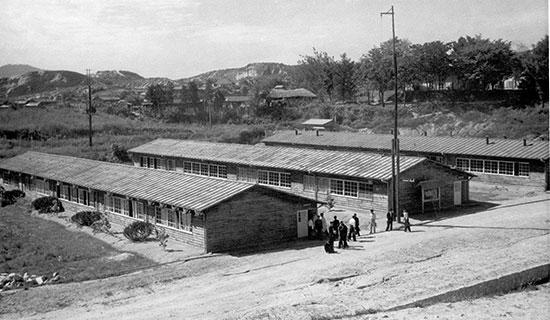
(309, 183)
(170, 165)
(523, 169)
(83, 196)
(65, 192)
(506, 168)
(463, 164)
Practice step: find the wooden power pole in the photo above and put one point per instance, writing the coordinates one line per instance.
(395, 140)
(89, 110)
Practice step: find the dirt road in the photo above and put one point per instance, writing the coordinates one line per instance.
(377, 272)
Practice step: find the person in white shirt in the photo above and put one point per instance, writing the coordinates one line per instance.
(372, 222)
(351, 228)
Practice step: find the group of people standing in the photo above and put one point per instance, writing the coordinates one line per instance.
(345, 232)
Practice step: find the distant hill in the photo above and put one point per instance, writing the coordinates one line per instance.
(14, 70)
(116, 77)
(234, 75)
(40, 81)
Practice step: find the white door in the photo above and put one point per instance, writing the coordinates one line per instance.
(458, 193)
(301, 223)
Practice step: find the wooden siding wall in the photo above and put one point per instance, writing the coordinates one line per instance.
(410, 193)
(252, 219)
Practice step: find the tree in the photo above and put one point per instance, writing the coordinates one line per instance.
(160, 96)
(533, 67)
(481, 63)
(345, 78)
(316, 73)
(431, 63)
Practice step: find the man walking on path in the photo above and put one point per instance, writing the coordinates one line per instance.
(406, 222)
(389, 218)
(343, 233)
(372, 222)
(351, 233)
(356, 224)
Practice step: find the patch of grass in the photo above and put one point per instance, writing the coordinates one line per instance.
(37, 246)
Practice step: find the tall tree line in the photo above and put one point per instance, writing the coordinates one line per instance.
(469, 63)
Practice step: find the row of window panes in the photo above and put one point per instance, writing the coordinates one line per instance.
(205, 169)
(158, 163)
(247, 174)
(351, 188)
(492, 167)
(74, 194)
(273, 178)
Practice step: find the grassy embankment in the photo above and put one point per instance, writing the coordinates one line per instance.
(41, 247)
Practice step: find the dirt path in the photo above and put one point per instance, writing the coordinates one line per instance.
(376, 273)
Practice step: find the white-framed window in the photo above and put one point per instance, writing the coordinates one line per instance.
(337, 186)
(274, 178)
(222, 172)
(117, 205)
(247, 174)
(490, 166)
(158, 216)
(506, 168)
(170, 165)
(40, 186)
(74, 194)
(183, 218)
(83, 196)
(351, 188)
(138, 210)
(523, 169)
(213, 170)
(187, 167)
(365, 190)
(309, 183)
(463, 164)
(204, 169)
(171, 218)
(196, 168)
(65, 192)
(476, 165)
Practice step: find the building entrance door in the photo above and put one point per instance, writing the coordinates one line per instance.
(301, 223)
(457, 193)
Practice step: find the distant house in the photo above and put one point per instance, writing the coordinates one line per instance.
(239, 103)
(279, 93)
(511, 83)
(323, 124)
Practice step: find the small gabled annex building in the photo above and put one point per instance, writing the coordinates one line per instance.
(214, 214)
(356, 180)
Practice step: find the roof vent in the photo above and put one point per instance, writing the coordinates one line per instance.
(487, 139)
(525, 142)
(296, 131)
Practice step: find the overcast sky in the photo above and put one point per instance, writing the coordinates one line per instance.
(182, 38)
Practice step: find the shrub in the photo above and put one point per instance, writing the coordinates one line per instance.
(10, 197)
(47, 205)
(138, 230)
(86, 218)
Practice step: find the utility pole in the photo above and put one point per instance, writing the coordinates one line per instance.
(89, 110)
(395, 140)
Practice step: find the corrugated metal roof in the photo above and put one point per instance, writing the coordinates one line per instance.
(277, 93)
(172, 188)
(317, 122)
(352, 164)
(505, 148)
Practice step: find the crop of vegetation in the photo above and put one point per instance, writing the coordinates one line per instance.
(86, 218)
(38, 246)
(138, 231)
(47, 205)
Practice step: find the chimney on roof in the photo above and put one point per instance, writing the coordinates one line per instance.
(486, 139)
(296, 131)
(505, 137)
(425, 133)
(525, 142)
(317, 132)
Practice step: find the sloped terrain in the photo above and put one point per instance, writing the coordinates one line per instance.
(377, 273)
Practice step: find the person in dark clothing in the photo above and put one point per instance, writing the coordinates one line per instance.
(356, 224)
(335, 224)
(389, 218)
(407, 225)
(329, 246)
(319, 228)
(343, 233)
